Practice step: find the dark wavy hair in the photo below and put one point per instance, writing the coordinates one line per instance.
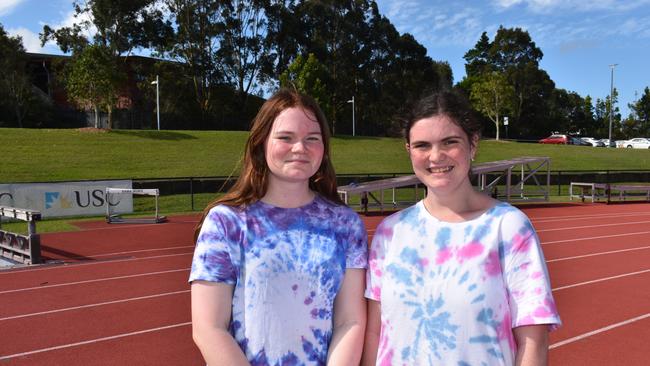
(252, 183)
(446, 103)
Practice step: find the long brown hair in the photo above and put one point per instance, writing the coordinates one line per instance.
(252, 183)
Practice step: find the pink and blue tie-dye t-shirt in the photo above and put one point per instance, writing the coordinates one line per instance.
(286, 266)
(451, 293)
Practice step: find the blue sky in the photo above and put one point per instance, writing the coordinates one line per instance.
(579, 38)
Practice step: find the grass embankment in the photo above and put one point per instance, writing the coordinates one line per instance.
(42, 155)
(46, 155)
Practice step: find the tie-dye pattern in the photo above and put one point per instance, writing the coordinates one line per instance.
(287, 266)
(451, 293)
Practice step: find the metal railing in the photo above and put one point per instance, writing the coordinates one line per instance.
(17, 247)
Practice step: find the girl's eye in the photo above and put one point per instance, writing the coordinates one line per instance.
(284, 138)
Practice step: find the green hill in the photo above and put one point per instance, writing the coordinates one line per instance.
(36, 155)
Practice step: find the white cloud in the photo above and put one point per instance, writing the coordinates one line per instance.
(507, 3)
(30, 39)
(546, 6)
(31, 42)
(7, 6)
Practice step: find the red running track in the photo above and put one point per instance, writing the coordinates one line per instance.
(118, 294)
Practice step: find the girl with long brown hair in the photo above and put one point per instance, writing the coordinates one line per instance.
(278, 271)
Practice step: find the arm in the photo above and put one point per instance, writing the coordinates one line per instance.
(373, 329)
(211, 311)
(532, 345)
(349, 320)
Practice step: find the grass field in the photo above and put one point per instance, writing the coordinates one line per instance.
(42, 155)
(46, 155)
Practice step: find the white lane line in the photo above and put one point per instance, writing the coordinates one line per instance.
(601, 280)
(596, 254)
(86, 229)
(592, 226)
(92, 281)
(140, 251)
(96, 340)
(589, 216)
(600, 330)
(544, 242)
(93, 305)
(69, 265)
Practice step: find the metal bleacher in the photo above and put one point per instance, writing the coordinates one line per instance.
(490, 176)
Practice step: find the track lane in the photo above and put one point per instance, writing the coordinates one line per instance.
(56, 329)
(84, 294)
(557, 251)
(627, 345)
(62, 275)
(169, 347)
(591, 268)
(593, 306)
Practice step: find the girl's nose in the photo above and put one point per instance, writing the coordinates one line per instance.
(436, 154)
(298, 146)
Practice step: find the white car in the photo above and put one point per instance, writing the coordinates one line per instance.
(637, 143)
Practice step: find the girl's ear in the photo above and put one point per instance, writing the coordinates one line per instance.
(474, 146)
(407, 147)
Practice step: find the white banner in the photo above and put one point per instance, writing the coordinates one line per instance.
(67, 198)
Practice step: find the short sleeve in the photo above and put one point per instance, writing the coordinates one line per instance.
(216, 253)
(526, 275)
(356, 255)
(375, 264)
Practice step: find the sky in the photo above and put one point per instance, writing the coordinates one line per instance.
(580, 39)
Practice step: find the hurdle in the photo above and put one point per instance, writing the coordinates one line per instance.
(595, 191)
(24, 249)
(113, 218)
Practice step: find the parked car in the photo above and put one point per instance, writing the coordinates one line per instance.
(637, 143)
(575, 140)
(606, 142)
(594, 142)
(556, 139)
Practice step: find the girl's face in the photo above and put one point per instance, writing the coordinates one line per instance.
(294, 148)
(440, 153)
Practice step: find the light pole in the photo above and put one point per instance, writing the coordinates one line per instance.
(611, 105)
(352, 101)
(157, 82)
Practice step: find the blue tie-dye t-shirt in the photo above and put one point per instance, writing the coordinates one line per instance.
(286, 266)
(451, 293)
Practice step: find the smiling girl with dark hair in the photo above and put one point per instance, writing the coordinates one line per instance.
(459, 278)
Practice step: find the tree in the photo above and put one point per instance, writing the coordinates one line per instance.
(492, 96)
(92, 80)
(116, 27)
(194, 41)
(641, 111)
(602, 116)
(478, 59)
(513, 53)
(15, 85)
(243, 50)
(308, 76)
(282, 38)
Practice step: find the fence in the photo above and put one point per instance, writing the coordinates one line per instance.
(559, 180)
